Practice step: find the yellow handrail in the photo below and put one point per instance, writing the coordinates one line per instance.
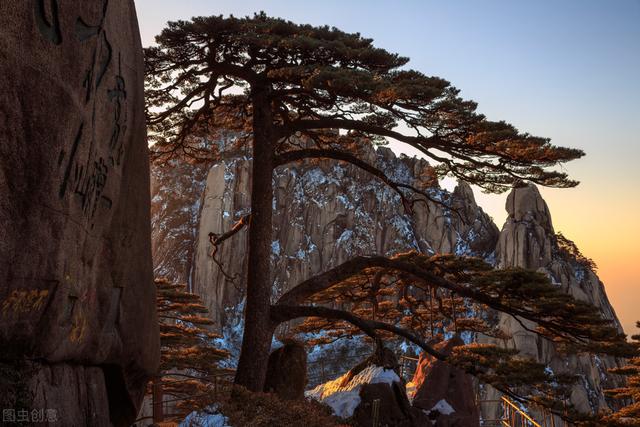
(514, 416)
(519, 412)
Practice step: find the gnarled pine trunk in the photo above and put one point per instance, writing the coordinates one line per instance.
(258, 328)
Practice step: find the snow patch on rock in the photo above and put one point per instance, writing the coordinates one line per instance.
(344, 399)
(442, 407)
(231, 335)
(209, 417)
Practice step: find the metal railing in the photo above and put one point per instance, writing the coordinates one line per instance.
(408, 366)
(515, 416)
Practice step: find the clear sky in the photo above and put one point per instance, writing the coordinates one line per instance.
(568, 70)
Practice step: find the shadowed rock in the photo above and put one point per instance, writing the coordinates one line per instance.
(287, 371)
(446, 394)
(385, 405)
(76, 293)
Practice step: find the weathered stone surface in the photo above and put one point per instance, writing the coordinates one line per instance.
(76, 393)
(439, 384)
(525, 240)
(176, 208)
(478, 233)
(326, 212)
(528, 240)
(287, 371)
(76, 290)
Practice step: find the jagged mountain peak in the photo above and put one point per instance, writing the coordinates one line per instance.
(464, 192)
(528, 240)
(525, 203)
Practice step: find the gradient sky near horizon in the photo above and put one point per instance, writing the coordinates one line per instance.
(566, 70)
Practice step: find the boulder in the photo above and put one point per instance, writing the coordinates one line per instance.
(444, 393)
(393, 407)
(371, 393)
(382, 357)
(287, 371)
(76, 291)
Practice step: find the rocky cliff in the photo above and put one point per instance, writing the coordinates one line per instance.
(528, 240)
(78, 328)
(327, 212)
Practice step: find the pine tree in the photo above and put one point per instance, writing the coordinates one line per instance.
(189, 370)
(319, 93)
(429, 311)
(629, 415)
(391, 288)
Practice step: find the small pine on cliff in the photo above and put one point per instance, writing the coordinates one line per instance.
(189, 360)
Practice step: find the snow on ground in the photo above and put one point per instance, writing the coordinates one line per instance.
(210, 417)
(344, 400)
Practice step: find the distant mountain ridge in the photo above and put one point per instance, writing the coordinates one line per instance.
(327, 212)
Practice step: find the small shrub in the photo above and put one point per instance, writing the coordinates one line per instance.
(245, 408)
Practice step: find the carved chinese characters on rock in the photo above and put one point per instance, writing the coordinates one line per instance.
(90, 159)
(95, 153)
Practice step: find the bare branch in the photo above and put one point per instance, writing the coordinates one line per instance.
(283, 313)
(216, 239)
(421, 144)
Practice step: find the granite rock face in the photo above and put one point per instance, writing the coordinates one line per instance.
(528, 240)
(76, 291)
(325, 213)
(174, 217)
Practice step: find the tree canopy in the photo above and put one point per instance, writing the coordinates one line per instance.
(384, 297)
(296, 92)
(321, 78)
(629, 414)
